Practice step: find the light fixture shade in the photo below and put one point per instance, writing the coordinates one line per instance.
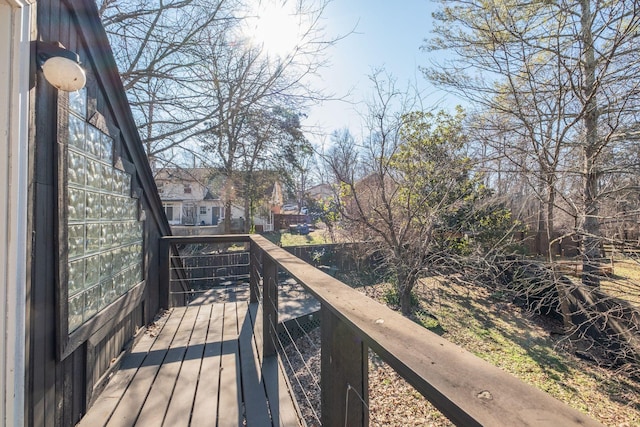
(61, 67)
(64, 74)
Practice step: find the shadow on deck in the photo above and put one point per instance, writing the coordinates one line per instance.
(204, 367)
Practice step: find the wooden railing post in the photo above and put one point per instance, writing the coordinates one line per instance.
(164, 276)
(255, 259)
(344, 374)
(269, 305)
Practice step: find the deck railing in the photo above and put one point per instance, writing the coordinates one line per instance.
(466, 389)
(208, 272)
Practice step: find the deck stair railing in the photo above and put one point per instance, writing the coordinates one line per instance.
(466, 389)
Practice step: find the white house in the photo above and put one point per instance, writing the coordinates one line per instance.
(195, 196)
(189, 196)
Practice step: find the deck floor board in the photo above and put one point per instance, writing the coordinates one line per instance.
(205, 406)
(203, 369)
(186, 385)
(155, 407)
(229, 411)
(134, 396)
(256, 411)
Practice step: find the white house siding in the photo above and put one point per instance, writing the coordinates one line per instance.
(15, 29)
(206, 211)
(187, 196)
(176, 212)
(173, 210)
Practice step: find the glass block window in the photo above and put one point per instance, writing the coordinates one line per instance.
(104, 234)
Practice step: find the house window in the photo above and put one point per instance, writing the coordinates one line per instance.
(203, 210)
(187, 189)
(168, 209)
(189, 214)
(101, 231)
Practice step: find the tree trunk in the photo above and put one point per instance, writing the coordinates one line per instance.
(591, 238)
(563, 294)
(227, 216)
(405, 300)
(248, 192)
(551, 201)
(590, 224)
(150, 156)
(406, 282)
(541, 230)
(247, 211)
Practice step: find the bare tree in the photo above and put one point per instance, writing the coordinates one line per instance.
(563, 75)
(246, 84)
(342, 157)
(557, 89)
(153, 43)
(414, 199)
(274, 148)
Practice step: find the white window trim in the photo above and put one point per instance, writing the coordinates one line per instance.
(15, 36)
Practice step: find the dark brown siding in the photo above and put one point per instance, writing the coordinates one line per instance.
(61, 386)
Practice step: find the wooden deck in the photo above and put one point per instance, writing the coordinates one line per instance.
(204, 368)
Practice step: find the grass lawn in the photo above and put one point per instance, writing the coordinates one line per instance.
(624, 283)
(316, 237)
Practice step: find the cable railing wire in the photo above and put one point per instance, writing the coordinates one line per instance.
(227, 276)
(297, 350)
(201, 274)
(346, 408)
(281, 350)
(288, 353)
(306, 335)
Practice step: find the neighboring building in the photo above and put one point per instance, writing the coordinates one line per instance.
(277, 198)
(190, 196)
(321, 192)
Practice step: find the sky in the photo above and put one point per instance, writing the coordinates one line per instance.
(387, 34)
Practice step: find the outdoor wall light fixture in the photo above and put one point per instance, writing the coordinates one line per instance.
(61, 67)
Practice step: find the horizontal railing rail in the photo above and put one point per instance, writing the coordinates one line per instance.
(465, 388)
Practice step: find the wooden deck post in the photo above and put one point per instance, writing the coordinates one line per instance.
(255, 259)
(344, 374)
(269, 305)
(164, 276)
